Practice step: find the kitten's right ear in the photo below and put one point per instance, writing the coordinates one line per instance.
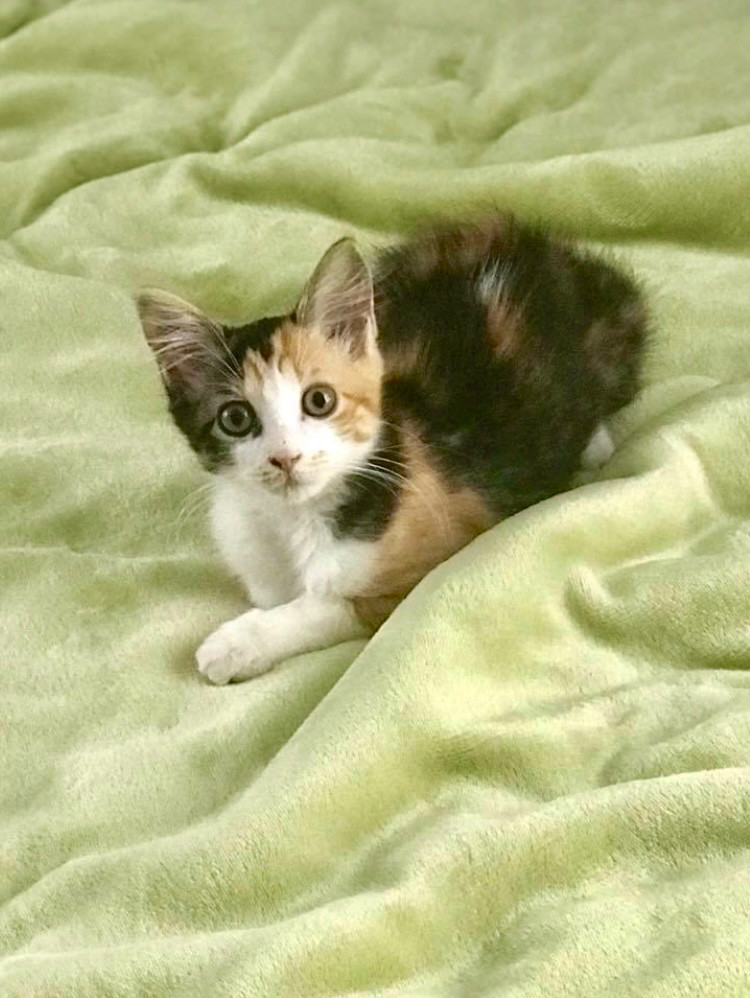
(339, 297)
(188, 346)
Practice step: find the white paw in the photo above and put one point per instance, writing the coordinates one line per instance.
(237, 650)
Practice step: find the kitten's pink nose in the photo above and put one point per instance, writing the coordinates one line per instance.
(285, 461)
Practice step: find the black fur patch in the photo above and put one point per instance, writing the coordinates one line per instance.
(513, 426)
(196, 419)
(252, 336)
(372, 494)
(213, 451)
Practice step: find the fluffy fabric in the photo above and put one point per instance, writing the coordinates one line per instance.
(534, 781)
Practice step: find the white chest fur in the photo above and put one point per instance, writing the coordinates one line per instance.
(281, 551)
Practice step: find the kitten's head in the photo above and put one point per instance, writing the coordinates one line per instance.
(289, 404)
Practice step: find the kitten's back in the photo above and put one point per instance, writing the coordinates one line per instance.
(507, 347)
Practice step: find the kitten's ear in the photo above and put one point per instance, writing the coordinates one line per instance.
(339, 298)
(189, 347)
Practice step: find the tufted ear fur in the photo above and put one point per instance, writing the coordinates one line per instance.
(190, 348)
(338, 298)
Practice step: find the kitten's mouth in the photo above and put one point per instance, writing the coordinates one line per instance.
(295, 484)
(295, 488)
(286, 484)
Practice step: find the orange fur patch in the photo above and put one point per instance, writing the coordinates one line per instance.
(433, 520)
(504, 328)
(374, 610)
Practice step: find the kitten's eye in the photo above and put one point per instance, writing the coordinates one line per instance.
(236, 419)
(319, 401)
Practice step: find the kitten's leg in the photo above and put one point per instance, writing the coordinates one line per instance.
(255, 641)
(599, 449)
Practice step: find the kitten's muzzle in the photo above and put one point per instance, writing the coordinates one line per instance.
(285, 462)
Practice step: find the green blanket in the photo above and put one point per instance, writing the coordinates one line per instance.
(535, 779)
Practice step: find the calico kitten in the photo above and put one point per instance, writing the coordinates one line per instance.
(390, 418)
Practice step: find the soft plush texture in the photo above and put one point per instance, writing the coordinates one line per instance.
(535, 780)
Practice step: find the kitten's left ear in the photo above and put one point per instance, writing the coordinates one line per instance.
(189, 347)
(339, 298)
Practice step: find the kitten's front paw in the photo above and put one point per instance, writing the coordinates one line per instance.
(235, 651)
